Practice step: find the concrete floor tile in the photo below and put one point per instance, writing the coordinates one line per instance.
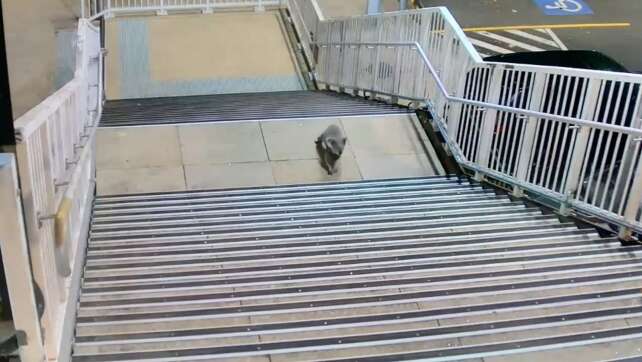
(137, 147)
(229, 175)
(140, 180)
(382, 135)
(310, 171)
(208, 144)
(391, 166)
(294, 139)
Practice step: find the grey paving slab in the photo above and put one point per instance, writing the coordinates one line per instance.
(294, 139)
(382, 135)
(391, 166)
(229, 175)
(310, 171)
(140, 180)
(137, 147)
(222, 143)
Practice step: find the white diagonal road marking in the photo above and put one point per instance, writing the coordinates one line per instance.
(512, 43)
(534, 37)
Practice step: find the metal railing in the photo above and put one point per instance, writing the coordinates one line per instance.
(17, 266)
(55, 152)
(97, 8)
(571, 136)
(306, 16)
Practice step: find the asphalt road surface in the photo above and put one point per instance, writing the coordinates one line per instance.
(613, 27)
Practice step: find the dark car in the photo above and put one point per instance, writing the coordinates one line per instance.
(606, 152)
(580, 59)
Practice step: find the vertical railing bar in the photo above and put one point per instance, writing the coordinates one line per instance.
(584, 141)
(548, 127)
(618, 139)
(551, 180)
(580, 89)
(469, 121)
(515, 122)
(498, 138)
(512, 118)
(599, 149)
(635, 123)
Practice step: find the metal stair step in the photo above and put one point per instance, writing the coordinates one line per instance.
(424, 268)
(549, 311)
(240, 107)
(282, 189)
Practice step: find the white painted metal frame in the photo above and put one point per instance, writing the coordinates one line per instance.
(97, 8)
(573, 136)
(306, 16)
(17, 268)
(55, 152)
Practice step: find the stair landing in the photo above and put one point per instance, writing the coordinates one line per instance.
(264, 153)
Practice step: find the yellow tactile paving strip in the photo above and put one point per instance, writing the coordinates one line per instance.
(192, 47)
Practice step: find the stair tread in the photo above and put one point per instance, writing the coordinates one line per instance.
(240, 107)
(391, 269)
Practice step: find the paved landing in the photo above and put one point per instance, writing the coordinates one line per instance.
(190, 54)
(222, 155)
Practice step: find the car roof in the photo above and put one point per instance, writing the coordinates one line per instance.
(582, 59)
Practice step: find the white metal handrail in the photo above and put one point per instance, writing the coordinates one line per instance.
(55, 143)
(444, 92)
(570, 135)
(93, 9)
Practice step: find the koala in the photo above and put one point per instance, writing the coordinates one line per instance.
(330, 145)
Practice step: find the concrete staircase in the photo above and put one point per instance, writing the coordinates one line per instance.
(431, 268)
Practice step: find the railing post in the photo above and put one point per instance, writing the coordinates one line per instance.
(490, 117)
(259, 6)
(581, 141)
(162, 10)
(208, 7)
(523, 164)
(107, 10)
(455, 109)
(15, 256)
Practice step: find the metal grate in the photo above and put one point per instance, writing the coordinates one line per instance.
(240, 107)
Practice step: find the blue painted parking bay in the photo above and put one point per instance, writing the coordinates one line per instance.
(564, 7)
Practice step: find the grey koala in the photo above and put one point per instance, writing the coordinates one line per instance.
(330, 145)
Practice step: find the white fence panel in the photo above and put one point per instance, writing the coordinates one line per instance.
(17, 265)
(97, 8)
(54, 151)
